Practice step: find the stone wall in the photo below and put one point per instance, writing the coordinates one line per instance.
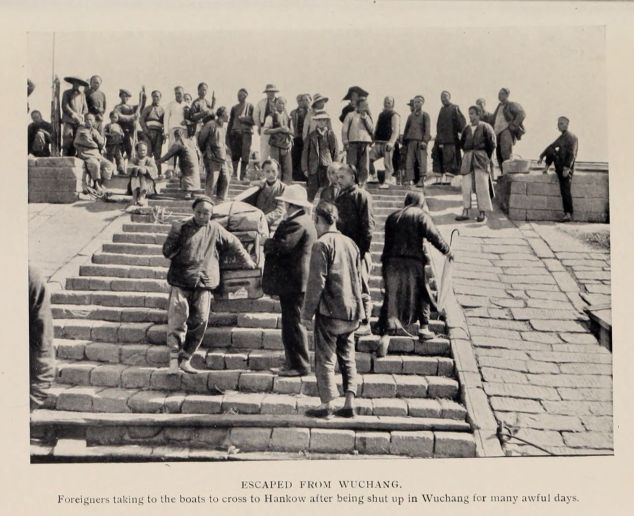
(55, 180)
(536, 196)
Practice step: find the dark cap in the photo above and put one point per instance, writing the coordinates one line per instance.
(201, 198)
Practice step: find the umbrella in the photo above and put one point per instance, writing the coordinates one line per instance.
(445, 281)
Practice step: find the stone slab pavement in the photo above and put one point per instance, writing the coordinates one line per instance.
(519, 285)
(58, 232)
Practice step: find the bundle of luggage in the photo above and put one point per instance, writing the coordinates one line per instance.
(516, 165)
(249, 224)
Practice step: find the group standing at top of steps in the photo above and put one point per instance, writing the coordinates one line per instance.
(219, 141)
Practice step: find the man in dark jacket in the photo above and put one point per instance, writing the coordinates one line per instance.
(39, 136)
(446, 152)
(508, 124)
(266, 197)
(319, 151)
(286, 274)
(416, 136)
(193, 246)
(240, 134)
(562, 153)
(333, 296)
(356, 221)
(41, 368)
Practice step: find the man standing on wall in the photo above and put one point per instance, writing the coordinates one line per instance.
(74, 108)
(446, 152)
(563, 154)
(508, 125)
(240, 134)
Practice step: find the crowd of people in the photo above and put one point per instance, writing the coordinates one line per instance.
(318, 261)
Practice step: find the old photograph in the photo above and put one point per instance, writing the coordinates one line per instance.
(318, 244)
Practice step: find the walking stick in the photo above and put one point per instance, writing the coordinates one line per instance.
(135, 130)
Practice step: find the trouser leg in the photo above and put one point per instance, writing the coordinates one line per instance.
(199, 304)
(565, 187)
(388, 160)
(312, 186)
(425, 314)
(366, 267)
(127, 144)
(363, 163)
(482, 190)
(156, 142)
(286, 163)
(410, 160)
(211, 177)
(347, 362)
(223, 182)
(68, 137)
(467, 190)
(294, 335)
(421, 158)
(296, 156)
(504, 147)
(325, 353)
(177, 315)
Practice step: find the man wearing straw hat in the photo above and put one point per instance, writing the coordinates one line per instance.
(263, 109)
(74, 107)
(320, 150)
(318, 104)
(353, 95)
(286, 274)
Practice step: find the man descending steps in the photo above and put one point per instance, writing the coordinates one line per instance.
(193, 247)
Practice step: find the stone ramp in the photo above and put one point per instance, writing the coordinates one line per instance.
(114, 396)
(537, 364)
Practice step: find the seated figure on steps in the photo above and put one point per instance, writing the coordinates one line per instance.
(143, 171)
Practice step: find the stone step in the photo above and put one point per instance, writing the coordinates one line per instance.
(148, 355)
(116, 284)
(393, 203)
(159, 238)
(144, 218)
(130, 271)
(114, 376)
(231, 337)
(255, 436)
(142, 314)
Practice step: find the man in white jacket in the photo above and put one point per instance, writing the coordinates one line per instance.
(175, 119)
(264, 108)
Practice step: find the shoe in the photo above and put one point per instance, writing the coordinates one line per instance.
(384, 186)
(186, 367)
(426, 334)
(319, 412)
(481, 218)
(363, 330)
(290, 373)
(566, 218)
(462, 217)
(345, 412)
(188, 196)
(384, 343)
(215, 391)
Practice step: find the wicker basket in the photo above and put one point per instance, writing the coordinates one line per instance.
(516, 165)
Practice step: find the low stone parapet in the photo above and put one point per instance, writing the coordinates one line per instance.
(55, 180)
(535, 196)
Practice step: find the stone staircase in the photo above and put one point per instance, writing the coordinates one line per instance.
(114, 397)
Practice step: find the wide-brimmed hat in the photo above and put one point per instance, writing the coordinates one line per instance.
(271, 87)
(296, 195)
(356, 89)
(318, 98)
(124, 92)
(321, 115)
(76, 80)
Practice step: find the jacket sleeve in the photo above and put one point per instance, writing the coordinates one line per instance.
(143, 118)
(433, 235)
(518, 114)
(570, 149)
(346, 127)
(232, 117)
(367, 224)
(203, 136)
(317, 276)
(459, 120)
(369, 124)
(173, 150)
(228, 242)
(99, 140)
(123, 117)
(285, 240)
(151, 167)
(256, 116)
(334, 147)
(490, 141)
(172, 244)
(396, 128)
(426, 128)
(249, 116)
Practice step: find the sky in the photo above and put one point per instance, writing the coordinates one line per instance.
(551, 71)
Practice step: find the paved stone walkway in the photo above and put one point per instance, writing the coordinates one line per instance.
(57, 232)
(519, 285)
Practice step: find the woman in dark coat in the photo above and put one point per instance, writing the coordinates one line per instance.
(407, 296)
